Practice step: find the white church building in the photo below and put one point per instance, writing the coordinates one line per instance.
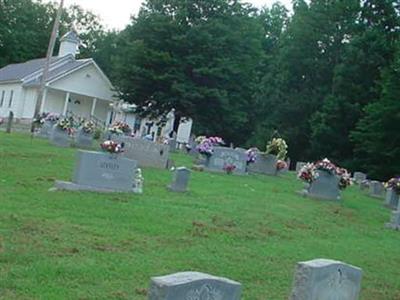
(76, 87)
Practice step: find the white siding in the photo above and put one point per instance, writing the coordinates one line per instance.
(16, 90)
(86, 81)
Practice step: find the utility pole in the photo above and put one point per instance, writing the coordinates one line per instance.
(49, 54)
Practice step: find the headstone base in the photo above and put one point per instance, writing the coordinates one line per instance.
(70, 186)
(305, 193)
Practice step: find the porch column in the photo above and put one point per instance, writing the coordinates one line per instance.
(93, 106)
(64, 112)
(44, 97)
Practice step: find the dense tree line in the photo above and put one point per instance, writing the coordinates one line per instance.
(325, 75)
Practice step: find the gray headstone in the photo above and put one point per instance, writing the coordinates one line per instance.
(395, 220)
(193, 286)
(84, 140)
(364, 185)
(299, 165)
(172, 145)
(46, 129)
(359, 177)
(391, 199)
(146, 153)
(181, 180)
(264, 164)
(324, 279)
(223, 156)
(100, 171)
(376, 189)
(325, 186)
(59, 137)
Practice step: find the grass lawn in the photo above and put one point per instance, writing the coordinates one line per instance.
(253, 229)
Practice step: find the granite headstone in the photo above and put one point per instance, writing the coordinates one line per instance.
(376, 189)
(223, 156)
(324, 279)
(193, 286)
(59, 137)
(146, 153)
(395, 220)
(359, 177)
(264, 164)
(181, 180)
(391, 199)
(325, 186)
(84, 140)
(101, 172)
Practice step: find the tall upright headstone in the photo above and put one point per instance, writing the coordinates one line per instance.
(325, 279)
(193, 286)
(264, 164)
(181, 180)
(60, 138)
(391, 199)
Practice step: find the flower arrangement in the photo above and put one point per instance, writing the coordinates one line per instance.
(394, 184)
(43, 117)
(251, 155)
(112, 147)
(120, 128)
(229, 168)
(200, 139)
(206, 147)
(277, 147)
(281, 165)
(88, 127)
(67, 125)
(308, 172)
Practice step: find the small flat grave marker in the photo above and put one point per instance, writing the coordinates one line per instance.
(193, 286)
(324, 279)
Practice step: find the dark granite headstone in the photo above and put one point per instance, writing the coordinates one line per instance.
(181, 180)
(223, 156)
(324, 279)
(325, 186)
(264, 164)
(101, 172)
(193, 286)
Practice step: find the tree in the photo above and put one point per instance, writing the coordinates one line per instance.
(376, 138)
(198, 57)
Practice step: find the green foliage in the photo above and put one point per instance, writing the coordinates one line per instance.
(377, 136)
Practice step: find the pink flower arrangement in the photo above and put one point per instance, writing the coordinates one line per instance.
(251, 155)
(206, 146)
(308, 173)
(112, 147)
(281, 165)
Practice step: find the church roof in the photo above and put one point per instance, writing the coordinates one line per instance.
(31, 71)
(71, 36)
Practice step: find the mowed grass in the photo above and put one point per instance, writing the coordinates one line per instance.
(253, 229)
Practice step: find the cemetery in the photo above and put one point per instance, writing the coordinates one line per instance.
(257, 237)
(200, 150)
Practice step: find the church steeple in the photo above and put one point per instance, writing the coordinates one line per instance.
(69, 43)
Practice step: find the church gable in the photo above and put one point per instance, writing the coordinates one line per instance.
(88, 81)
